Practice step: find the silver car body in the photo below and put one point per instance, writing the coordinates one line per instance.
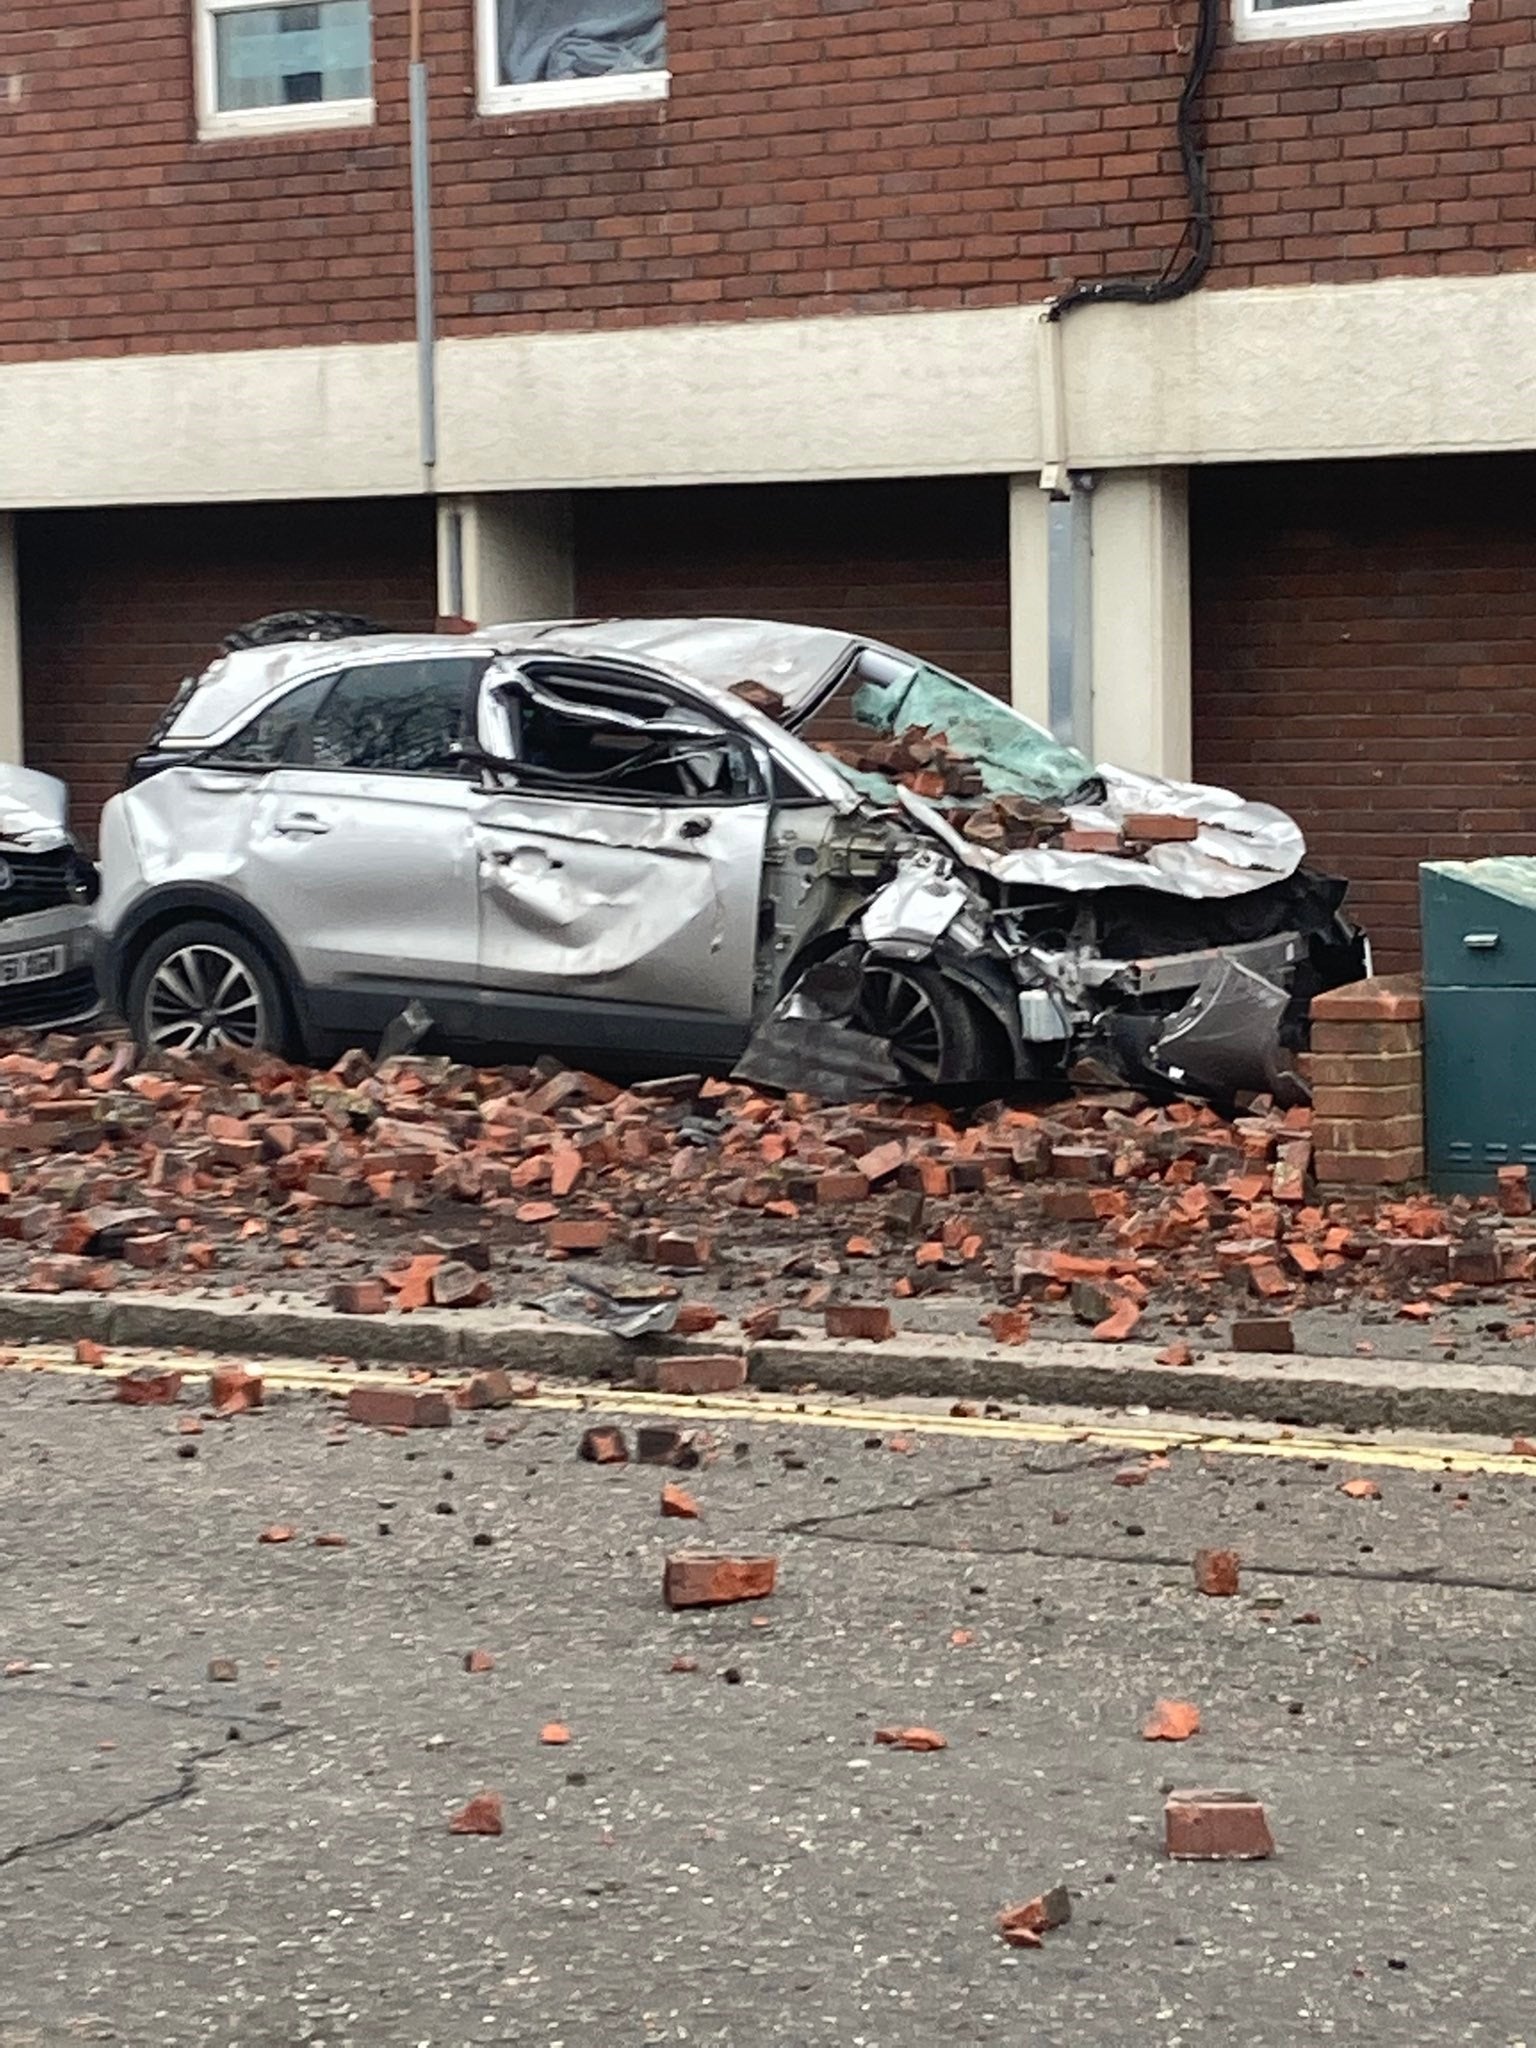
(522, 908)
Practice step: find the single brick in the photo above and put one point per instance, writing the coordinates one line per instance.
(1156, 830)
(147, 1387)
(835, 1188)
(717, 1374)
(399, 1407)
(1371, 1169)
(682, 1253)
(1386, 999)
(865, 1321)
(1373, 1039)
(360, 1297)
(1263, 1333)
(604, 1445)
(490, 1388)
(1207, 1826)
(703, 1579)
(1216, 1573)
(233, 1390)
(578, 1234)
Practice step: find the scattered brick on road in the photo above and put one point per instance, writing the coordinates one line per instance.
(1023, 1926)
(920, 1740)
(678, 1503)
(604, 1445)
(399, 1407)
(1217, 1573)
(1206, 1826)
(360, 1297)
(662, 1443)
(479, 1661)
(234, 1391)
(148, 1386)
(705, 1579)
(481, 1815)
(1171, 1721)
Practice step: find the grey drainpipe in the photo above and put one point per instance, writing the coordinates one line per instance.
(421, 243)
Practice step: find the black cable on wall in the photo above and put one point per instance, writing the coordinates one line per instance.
(1199, 237)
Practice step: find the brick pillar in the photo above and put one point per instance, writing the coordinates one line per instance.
(1367, 1071)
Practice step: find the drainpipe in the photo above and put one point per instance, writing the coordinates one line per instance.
(1068, 515)
(421, 245)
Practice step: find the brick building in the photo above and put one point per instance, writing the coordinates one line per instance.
(739, 308)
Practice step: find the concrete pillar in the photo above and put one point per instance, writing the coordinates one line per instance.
(10, 643)
(1099, 618)
(1029, 598)
(1141, 624)
(504, 558)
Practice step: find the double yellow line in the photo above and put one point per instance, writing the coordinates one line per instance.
(1452, 1455)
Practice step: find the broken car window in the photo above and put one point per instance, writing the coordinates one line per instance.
(405, 716)
(621, 739)
(1007, 751)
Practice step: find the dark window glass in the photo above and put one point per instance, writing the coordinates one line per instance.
(401, 715)
(281, 734)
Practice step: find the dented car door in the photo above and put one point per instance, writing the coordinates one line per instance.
(620, 850)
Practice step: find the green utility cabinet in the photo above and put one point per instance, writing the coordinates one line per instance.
(1479, 919)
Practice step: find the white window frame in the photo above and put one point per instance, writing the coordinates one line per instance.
(1253, 24)
(213, 121)
(549, 95)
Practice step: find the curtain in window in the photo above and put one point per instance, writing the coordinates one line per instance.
(580, 38)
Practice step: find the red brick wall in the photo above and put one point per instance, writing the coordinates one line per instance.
(923, 565)
(819, 156)
(118, 606)
(1365, 656)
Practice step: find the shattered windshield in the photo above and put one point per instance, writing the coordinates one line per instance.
(927, 723)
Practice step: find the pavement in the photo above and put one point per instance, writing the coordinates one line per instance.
(724, 1854)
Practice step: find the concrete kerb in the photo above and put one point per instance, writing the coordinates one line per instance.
(1354, 1393)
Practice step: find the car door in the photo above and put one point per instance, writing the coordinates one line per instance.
(359, 848)
(619, 859)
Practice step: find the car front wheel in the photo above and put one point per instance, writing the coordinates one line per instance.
(204, 987)
(938, 1036)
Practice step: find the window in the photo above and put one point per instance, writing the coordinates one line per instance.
(405, 716)
(402, 715)
(280, 733)
(1258, 20)
(263, 67)
(577, 736)
(568, 53)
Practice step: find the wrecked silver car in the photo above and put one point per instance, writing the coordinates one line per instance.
(723, 841)
(47, 938)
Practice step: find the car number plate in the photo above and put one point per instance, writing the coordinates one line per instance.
(39, 965)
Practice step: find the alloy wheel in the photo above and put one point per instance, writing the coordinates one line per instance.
(203, 999)
(894, 1007)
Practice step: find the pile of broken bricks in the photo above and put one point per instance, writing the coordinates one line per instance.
(1006, 822)
(417, 1183)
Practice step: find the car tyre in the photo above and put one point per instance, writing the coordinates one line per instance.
(204, 987)
(939, 1036)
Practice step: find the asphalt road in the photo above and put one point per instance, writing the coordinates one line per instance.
(267, 1862)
